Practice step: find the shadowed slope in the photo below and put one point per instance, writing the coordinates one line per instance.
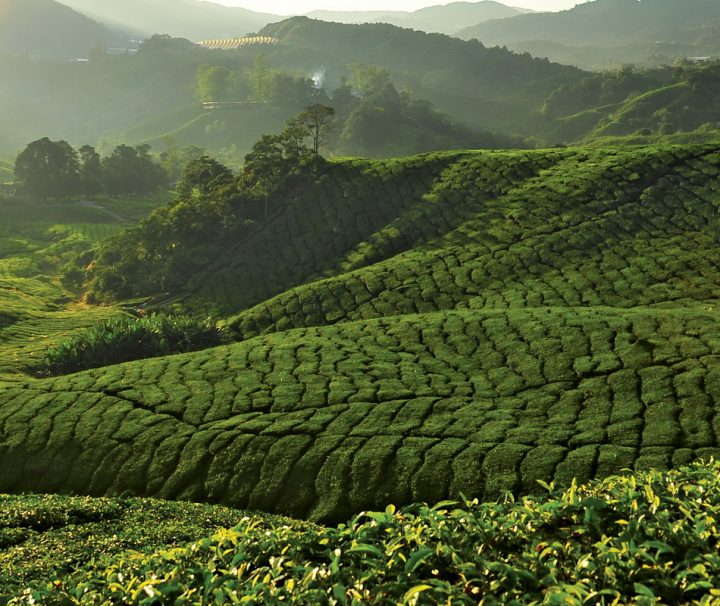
(357, 213)
(494, 229)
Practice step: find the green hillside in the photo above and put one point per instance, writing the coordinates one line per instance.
(483, 87)
(458, 323)
(534, 229)
(601, 32)
(45, 28)
(322, 423)
(645, 104)
(36, 239)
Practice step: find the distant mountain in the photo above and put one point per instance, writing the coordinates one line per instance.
(192, 19)
(45, 28)
(646, 28)
(143, 97)
(445, 19)
(359, 16)
(485, 88)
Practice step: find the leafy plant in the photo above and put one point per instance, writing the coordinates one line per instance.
(647, 538)
(127, 338)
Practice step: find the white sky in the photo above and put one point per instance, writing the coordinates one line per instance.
(297, 7)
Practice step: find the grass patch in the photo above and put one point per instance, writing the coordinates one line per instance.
(36, 240)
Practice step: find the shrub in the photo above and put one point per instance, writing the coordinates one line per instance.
(127, 338)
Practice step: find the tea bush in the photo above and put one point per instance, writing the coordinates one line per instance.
(644, 539)
(52, 536)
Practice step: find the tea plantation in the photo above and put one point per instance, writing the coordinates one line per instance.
(324, 422)
(447, 326)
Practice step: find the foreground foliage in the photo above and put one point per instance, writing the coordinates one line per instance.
(125, 338)
(48, 537)
(649, 538)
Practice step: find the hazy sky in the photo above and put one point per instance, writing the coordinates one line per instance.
(289, 7)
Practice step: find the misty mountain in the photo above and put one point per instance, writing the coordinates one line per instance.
(446, 19)
(606, 31)
(146, 96)
(192, 19)
(45, 28)
(486, 88)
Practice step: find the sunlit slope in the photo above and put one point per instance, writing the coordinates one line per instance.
(328, 421)
(49, 29)
(35, 238)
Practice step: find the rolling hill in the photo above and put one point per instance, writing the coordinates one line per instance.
(416, 329)
(45, 28)
(193, 19)
(445, 19)
(617, 31)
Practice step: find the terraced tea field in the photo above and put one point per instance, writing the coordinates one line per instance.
(236, 43)
(417, 329)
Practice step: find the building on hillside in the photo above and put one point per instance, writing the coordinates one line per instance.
(214, 105)
(237, 43)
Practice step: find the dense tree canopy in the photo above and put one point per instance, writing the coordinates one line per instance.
(54, 169)
(213, 209)
(48, 169)
(131, 170)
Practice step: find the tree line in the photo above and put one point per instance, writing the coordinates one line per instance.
(54, 169)
(260, 83)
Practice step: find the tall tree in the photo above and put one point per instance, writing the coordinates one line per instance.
(262, 80)
(174, 159)
(317, 119)
(213, 83)
(367, 79)
(204, 176)
(91, 176)
(131, 170)
(48, 169)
